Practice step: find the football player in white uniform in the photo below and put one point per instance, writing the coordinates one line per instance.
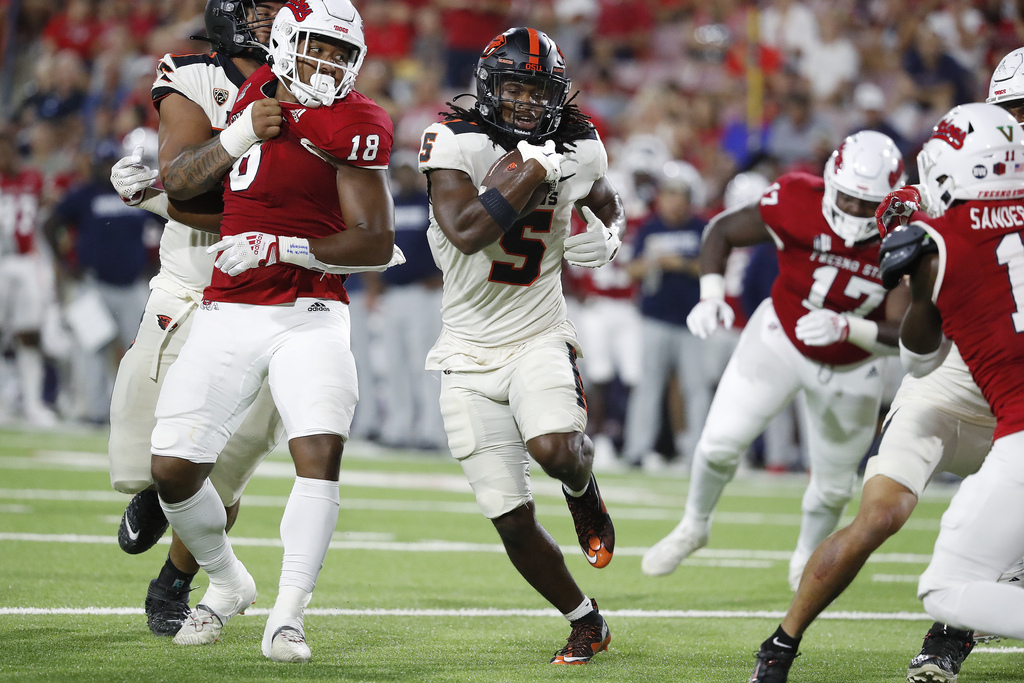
(194, 94)
(510, 388)
(937, 423)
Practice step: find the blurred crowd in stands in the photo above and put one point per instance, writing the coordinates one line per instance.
(685, 93)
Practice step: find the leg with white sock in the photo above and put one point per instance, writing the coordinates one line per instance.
(307, 526)
(199, 520)
(757, 383)
(982, 534)
(840, 412)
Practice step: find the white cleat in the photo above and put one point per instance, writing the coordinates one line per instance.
(666, 554)
(204, 623)
(288, 645)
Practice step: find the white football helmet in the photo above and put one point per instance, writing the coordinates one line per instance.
(150, 141)
(680, 175)
(744, 189)
(867, 165)
(975, 152)
(289, 38)
(1008, 79)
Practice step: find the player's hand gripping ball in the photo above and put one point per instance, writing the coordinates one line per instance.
(510, 164)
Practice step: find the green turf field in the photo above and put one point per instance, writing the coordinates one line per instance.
(417, 588)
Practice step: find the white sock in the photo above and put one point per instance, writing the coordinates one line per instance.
(199, 522)
(815, 527)
(707, 481)
(306, 528)
(585, 608)
(30, 372)
(288, 609)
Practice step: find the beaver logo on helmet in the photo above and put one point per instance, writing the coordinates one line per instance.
(529, 58)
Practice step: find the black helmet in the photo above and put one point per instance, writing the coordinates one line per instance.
(229, 29)
(525, 56)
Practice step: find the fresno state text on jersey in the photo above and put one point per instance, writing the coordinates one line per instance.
(980, 293)
(286, 186)
(816, 268)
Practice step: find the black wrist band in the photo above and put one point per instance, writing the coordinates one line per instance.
(498, 208)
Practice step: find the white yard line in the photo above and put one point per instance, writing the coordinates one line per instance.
(723, 557)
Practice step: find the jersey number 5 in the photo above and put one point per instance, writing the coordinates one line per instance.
(515, 242)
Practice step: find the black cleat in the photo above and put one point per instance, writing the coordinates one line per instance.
(594, 527)
(166, 608)
(142, 524)
(589, 635)
(772, 666)
(943, 653)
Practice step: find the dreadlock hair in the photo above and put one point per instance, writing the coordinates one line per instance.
(574, 125)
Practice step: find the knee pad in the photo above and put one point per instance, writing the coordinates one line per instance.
(833, 497)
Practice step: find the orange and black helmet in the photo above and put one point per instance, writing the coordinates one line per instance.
(516, 58)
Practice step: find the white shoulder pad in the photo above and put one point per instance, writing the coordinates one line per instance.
(440, 148)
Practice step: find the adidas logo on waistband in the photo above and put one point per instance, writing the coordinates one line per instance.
(318, 307)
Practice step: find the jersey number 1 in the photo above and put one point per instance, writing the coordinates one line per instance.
(1010, 253)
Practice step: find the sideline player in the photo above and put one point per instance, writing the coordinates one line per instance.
(819, 333)
(510, 388)
(193, 94)
(26, 279)
(937, 423)
(320, 173)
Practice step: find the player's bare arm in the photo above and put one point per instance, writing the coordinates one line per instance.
(921, 331)
(604, 201)
(369, 211)
(191, 162)
(728, 231)
(463, 218)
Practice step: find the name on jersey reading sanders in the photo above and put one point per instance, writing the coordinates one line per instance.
(846, 263)
(996, 217)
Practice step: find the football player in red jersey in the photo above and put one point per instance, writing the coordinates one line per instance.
(26, 288)
(818, 334)
(510, 388)
(310, 192)
(970, 292)
(937, 423)
(193, 94)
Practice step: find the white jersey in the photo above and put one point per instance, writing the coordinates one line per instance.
(211, 81)
(510, 292)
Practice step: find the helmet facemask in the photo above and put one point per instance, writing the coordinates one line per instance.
(296, 28)
(866, 166)
(231, 27)
(525, 98)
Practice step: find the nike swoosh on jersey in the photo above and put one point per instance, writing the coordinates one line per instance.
(566, 177)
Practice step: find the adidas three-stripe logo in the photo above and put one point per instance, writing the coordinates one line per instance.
(318, 307)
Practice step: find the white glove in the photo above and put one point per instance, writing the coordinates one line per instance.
(595, 247)
(241, 252)
(546, 156)
(705, 317)
(822, 328)
(397, 259)
(130, 177)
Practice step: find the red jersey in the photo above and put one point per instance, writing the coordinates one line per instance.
(282, 187)
(610, 280)
(816, 268)
(19, 211)
(980, 293)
